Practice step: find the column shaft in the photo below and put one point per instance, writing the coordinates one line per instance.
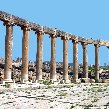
(53, 59)
(75, 60)
(85, 60)
(25, 43)
(65, 59)
(8, 52)
(96, 62)
(39, 56)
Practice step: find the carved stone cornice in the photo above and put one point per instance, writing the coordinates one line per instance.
(11, 20)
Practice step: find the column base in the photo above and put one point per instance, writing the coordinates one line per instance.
(92, 81)
(24, 81)
(65, 81)
(53, 80)
(7, 81)
(39, 81)
(85, 80)
(105, 80)
(76, 81)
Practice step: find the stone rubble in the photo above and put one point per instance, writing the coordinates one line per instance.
(63, 96)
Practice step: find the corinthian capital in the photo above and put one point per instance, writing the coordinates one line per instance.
(65, 37)
(40, 31)
(25, 28)
(75, 40)
(8, 23)
(97, 45)
(84, 43)
(53, 34)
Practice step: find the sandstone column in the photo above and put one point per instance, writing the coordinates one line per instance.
(53, 58)
(65, 59)
(96, 61)
(8, 51)
(85, 59)
(39, 56)
(75, 59)
(25, 43)
(108, 56)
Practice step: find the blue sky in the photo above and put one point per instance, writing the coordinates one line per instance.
(86, 18)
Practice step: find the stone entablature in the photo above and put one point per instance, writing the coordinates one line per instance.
(14, 20)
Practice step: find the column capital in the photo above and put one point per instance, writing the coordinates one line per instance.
(65, 37)
(8, 23)
(25, 28)
(84, 43)
(40, 31)
(75, 40)
(97, 45)
(53, 35)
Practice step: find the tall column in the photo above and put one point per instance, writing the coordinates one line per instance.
(25, 43)
(53, 58)
(85, 59)
(75, 59)
(108, 56)
(65, 59)
(96, 61)
(39, 56)
(8, 51)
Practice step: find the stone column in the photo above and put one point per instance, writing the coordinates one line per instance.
(85, 59)
(39, 56)
(8, 51)
(75, 59)
(65, 59)
(108, 55)
(25, 43)
(53, 58)
(96, 61)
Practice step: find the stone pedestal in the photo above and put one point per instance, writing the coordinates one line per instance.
(7, 81)
(85, 80)
(39, 56)
(25, 43)
(105, 80)
(8, 52)
(76, 81)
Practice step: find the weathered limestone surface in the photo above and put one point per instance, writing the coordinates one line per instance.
(75, 59)
(25, 43)
(35, 27)
(53, 58)
(65, 58)
(8, 51)
(85, 59)
(39, 56)
(11, 20)
(97, 61)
